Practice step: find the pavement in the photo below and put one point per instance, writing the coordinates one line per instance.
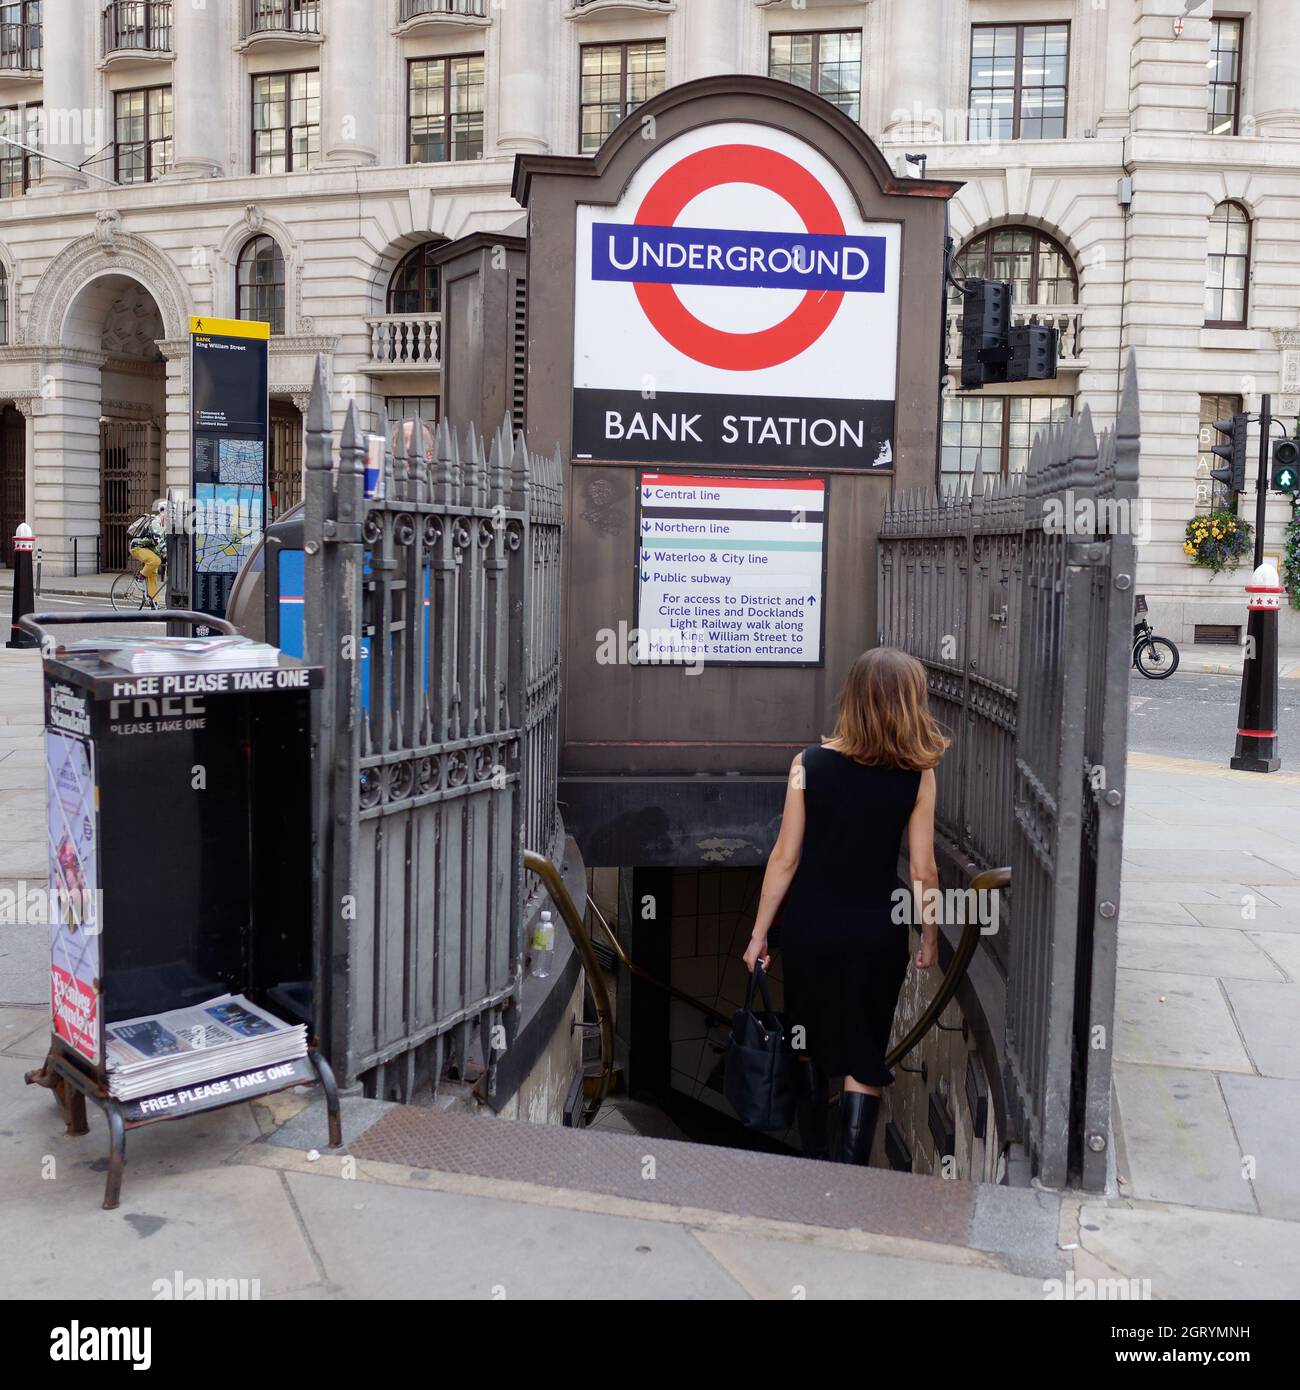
(1207, 1081)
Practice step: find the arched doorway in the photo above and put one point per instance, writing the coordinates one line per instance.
(122, 388)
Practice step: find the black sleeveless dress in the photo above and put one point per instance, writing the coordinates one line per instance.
(843, 956)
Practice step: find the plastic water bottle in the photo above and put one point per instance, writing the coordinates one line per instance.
(543, 946)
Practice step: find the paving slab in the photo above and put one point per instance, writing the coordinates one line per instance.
(1179, 1140)
(1192, 950)
(24, 1032)
(1264, 1112)
(1282, 948)
(25, 964)
(1186, 1253)
(1269, 1017)
(1263, 915)
(460, 1247)
(779, 1269)
(1195, 866)
(1172, 1019)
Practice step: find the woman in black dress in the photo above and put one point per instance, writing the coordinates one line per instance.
(834, 874)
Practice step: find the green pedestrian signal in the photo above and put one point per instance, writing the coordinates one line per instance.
(1286, 465)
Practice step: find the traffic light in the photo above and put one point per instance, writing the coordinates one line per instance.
(985, 319)
(992, 351)
(1234, 450)
(1286, 465)
(1033, 353)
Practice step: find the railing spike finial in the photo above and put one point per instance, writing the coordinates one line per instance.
(1127, 427)
(318, 408)
(351, 444)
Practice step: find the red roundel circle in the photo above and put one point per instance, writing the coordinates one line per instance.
(715, 347)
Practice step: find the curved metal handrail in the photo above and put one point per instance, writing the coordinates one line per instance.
(540, 865)
(957, 967)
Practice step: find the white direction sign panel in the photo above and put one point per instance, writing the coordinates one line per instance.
(730, 569)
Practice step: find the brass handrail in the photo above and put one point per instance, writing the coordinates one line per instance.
(540, 865)
(988, 879)
(712, 1014)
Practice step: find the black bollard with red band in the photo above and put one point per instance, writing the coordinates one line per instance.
(24, 588)
(1257, 714)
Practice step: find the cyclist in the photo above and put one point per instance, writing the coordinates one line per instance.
(149, 547)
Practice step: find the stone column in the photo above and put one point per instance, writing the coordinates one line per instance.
(914, 93)
(176, 423)
(199, 91)
(350, 83)
(1117, 48)
(526, 77)
(72, 131)
(1276, 41)
(1168, 70)
(65, 449)
(712, 38)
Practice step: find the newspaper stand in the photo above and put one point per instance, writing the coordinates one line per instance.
(183, 798)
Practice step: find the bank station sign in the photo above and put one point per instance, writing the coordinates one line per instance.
(734, 309)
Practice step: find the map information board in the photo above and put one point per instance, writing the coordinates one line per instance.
(229, 444)
(730, 569)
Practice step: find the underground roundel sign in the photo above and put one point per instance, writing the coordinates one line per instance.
(733, 307)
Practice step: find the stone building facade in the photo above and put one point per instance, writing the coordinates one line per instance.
(1133, 166)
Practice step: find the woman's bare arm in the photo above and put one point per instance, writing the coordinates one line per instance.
(781, 864)
(923, 869)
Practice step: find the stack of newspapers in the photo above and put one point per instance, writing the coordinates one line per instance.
(145, 655)
(225, 1035)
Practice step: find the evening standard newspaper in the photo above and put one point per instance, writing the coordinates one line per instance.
(224, 1035)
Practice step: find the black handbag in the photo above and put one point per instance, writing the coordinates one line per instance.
(758, 1078)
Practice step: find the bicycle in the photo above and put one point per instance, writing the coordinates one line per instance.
(130, 593)
(1156, 657)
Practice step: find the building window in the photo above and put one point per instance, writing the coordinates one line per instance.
(19, 170)
(1039, 269)
(1224, 98)
(21, 35)
(403, 408)
(1018, 81)
(142, 134)
(616, 79)
(286, 122)
(829, 64)
(994, 432)
(444, 119)
(259, 283)
(1210, 493)
(4, 305)
(1228, 267)
(413, 288)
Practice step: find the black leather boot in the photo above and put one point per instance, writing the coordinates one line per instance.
(810, 1111)
(858, 1112)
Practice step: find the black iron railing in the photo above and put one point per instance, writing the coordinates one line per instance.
(140, 25)
(20, 47)
(416, 9)
(282, 17)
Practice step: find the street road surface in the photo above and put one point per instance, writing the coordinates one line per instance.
(1195, 716)
(56, 603)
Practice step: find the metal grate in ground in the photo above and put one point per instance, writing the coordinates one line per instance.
(733, 1181)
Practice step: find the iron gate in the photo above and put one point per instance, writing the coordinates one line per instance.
(128, 474)
(435, 613)
(1018, 598)
(13, 479)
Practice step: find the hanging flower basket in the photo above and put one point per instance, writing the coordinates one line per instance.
(1217, 542)
(1291, 558)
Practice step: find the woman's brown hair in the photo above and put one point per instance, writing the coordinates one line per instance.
(884, 713)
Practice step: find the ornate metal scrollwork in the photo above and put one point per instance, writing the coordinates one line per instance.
(404, 528)
(372, 528)
(371, 788)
